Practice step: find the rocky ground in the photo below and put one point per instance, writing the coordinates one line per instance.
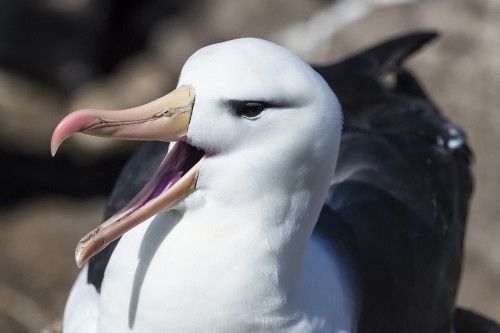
(461, 71)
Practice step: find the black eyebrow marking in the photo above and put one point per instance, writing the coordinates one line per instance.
(278, 104)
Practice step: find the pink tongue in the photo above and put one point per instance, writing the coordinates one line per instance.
(169, 179)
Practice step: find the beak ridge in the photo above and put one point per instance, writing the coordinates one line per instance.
(165, 119)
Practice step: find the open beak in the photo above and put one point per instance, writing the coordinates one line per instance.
(165, 119)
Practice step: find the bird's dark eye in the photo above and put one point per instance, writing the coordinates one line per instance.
(249, 110)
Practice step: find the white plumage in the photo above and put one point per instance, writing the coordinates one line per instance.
(236, 254)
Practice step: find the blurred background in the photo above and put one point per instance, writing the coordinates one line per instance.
(60, 55)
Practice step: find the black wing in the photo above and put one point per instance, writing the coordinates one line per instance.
(402, 187)
(467, 321)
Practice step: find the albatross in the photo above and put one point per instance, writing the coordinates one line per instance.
(293, 199)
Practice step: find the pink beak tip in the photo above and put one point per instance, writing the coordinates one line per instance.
(54, 145)
(72, 123)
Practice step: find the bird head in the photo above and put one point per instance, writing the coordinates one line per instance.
(246, 111)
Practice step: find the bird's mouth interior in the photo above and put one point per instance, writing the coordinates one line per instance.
(182, 158)
(177, 163)
(175, 179)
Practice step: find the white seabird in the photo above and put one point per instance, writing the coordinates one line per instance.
(236, 224)
(233, 233)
